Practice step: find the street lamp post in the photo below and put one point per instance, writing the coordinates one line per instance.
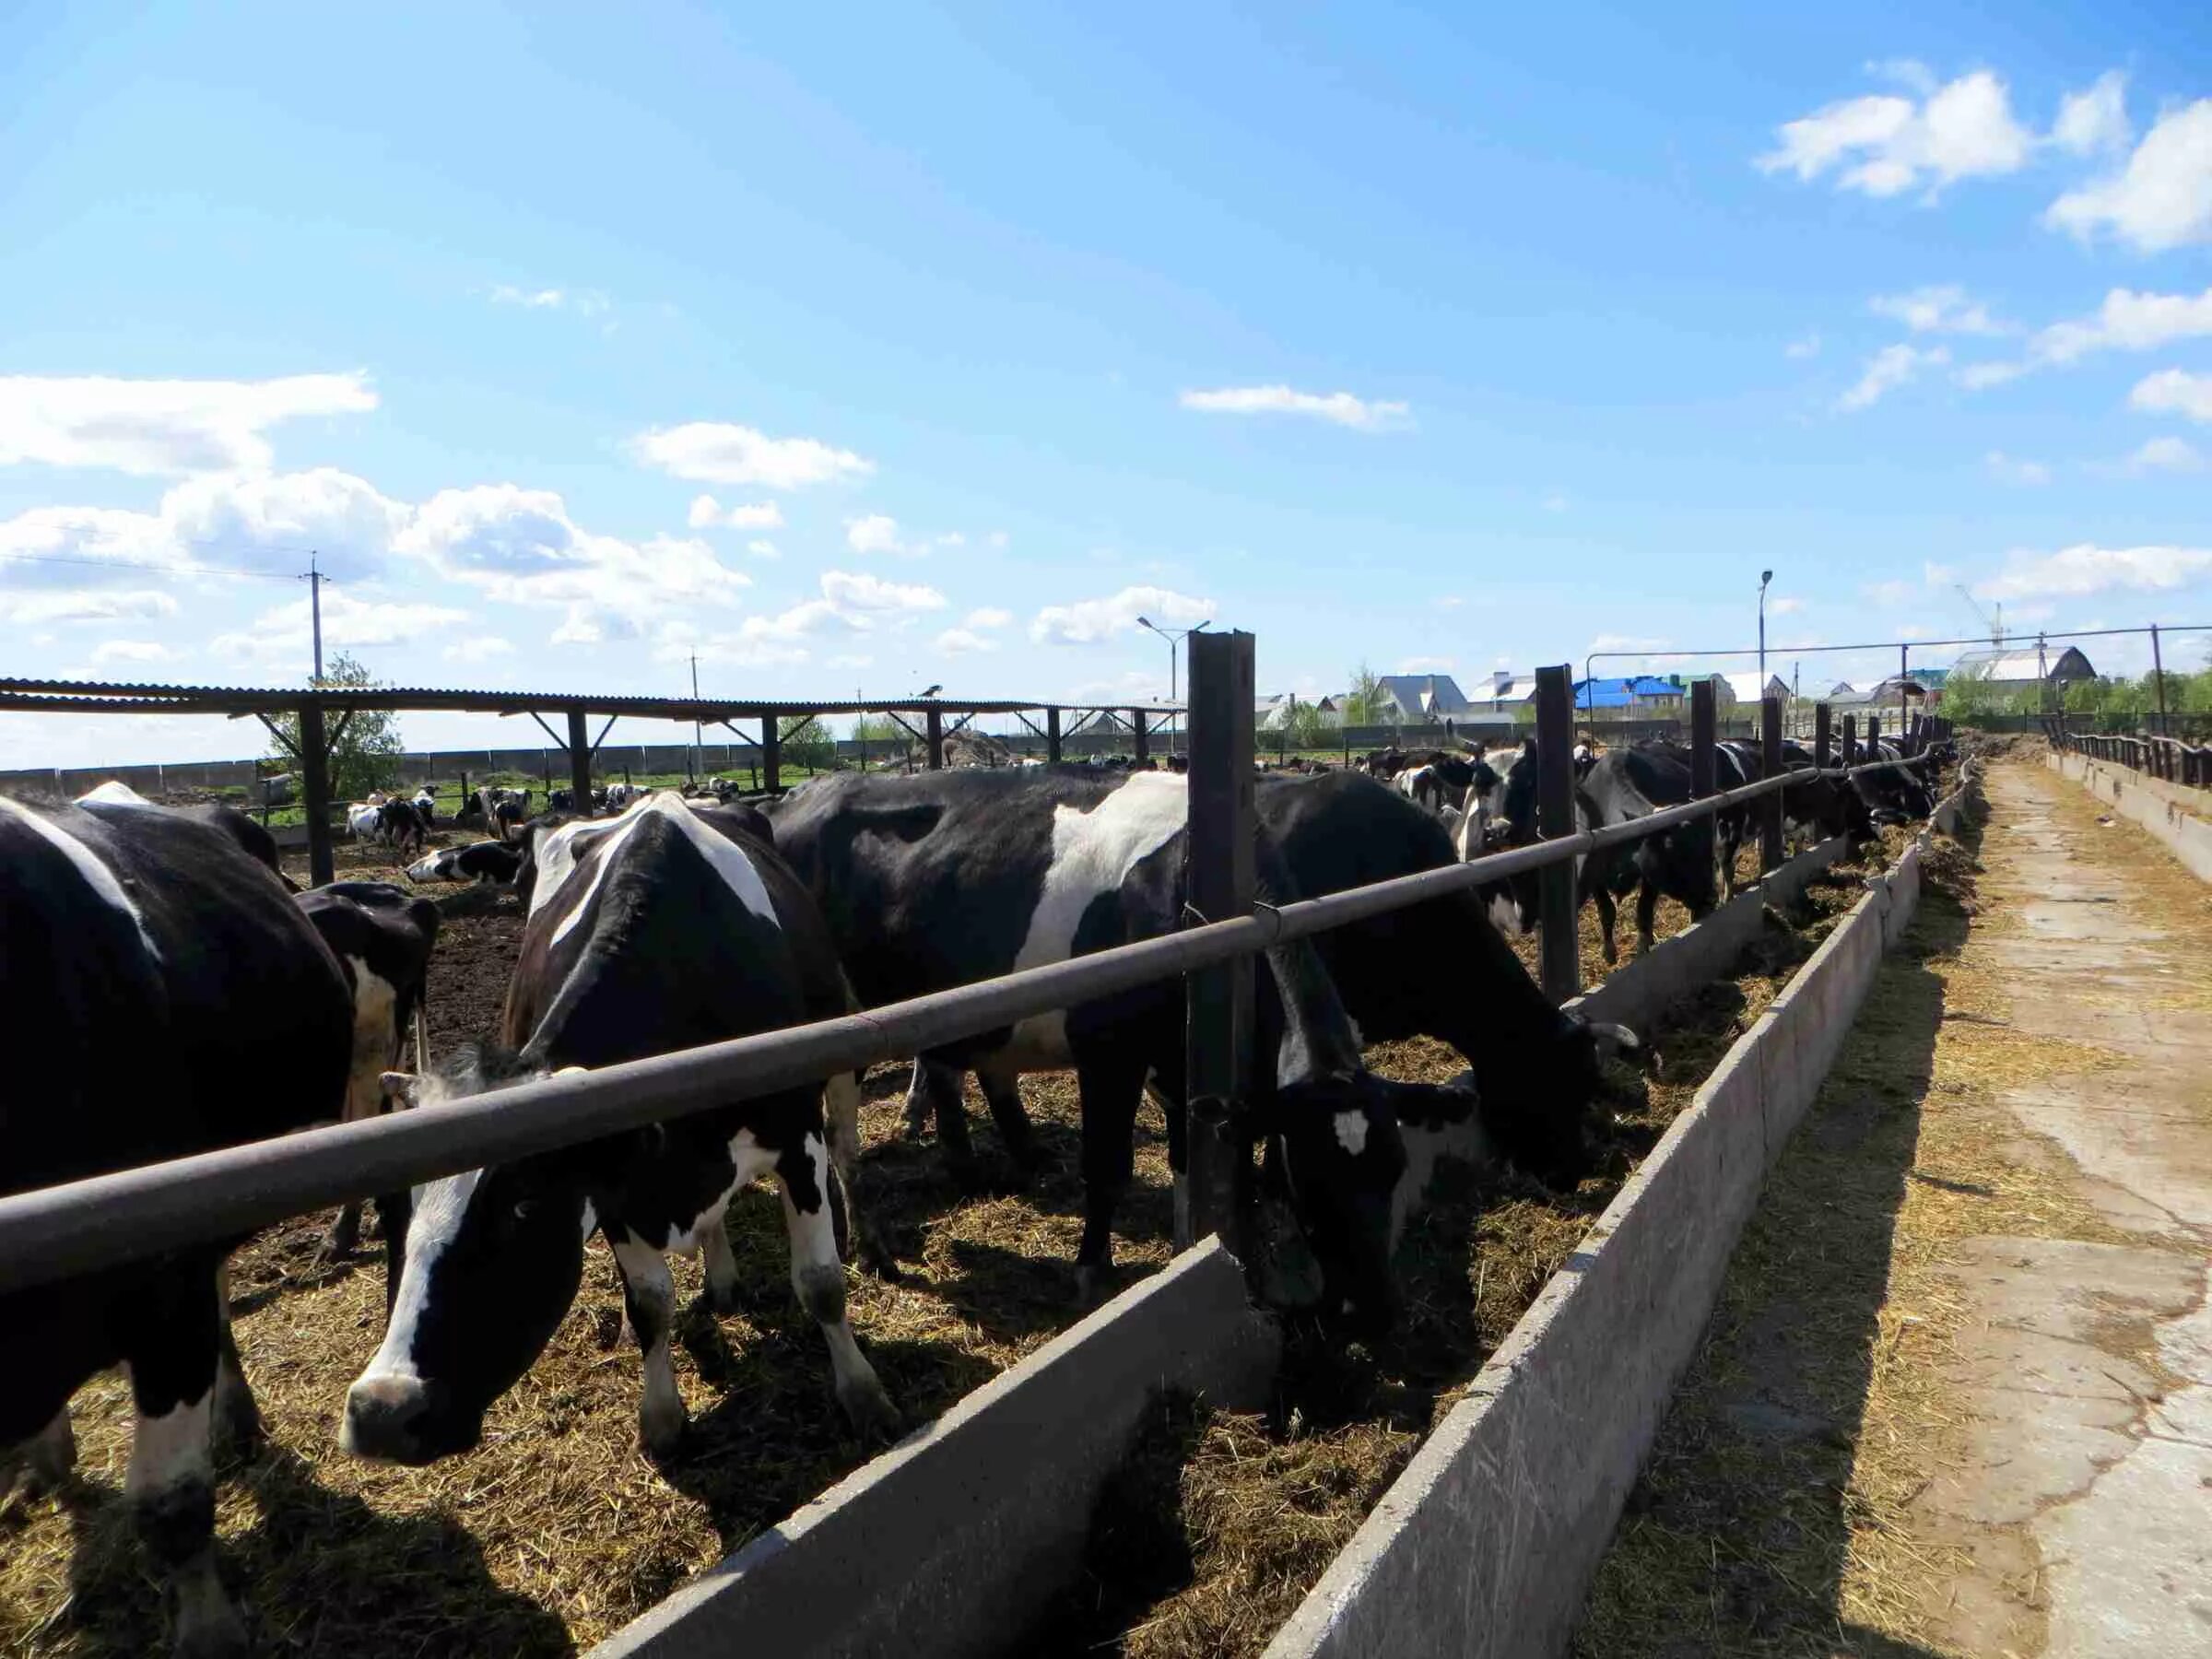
(1173, 636)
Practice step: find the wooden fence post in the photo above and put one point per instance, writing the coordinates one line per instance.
(1561, 947)
(1850, 739)
(1823, 737)
(1218, 1038)
(1140, 737)
(579, 761)
(772, 755)
(314, 790)
(1771, 819)
(1052, 735)
(1702, 727)
(932, 726)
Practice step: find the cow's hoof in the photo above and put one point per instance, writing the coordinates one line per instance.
(210, 1627)
(237, 1427)
(722, 1299)
(661, 1429)
(47, 1460)
(1093, 1282)
(870, 1410)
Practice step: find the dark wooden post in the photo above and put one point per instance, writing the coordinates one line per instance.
(1217, 1038)
(1850, 739)
(1052, 735)
(1140, 737)
(1824, 748)
(1561, 948)
(1702, 717)
(1874, 736)
(772, 755)
(579, 761)
(933, 725)
(314, 790)
(2158, 673)
(1770, 738)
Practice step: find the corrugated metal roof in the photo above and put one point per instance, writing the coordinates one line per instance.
(2018, 663)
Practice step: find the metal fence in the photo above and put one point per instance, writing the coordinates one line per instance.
(108, 1219)
(2167, 758)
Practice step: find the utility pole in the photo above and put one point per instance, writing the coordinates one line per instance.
(695, 732)
(314, 609)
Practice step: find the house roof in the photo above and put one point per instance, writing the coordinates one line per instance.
(2014, 663)
(1748, 688)
(1518, 688)
(1426, 693)
(1620, 693)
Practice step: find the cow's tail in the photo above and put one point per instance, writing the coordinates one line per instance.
(840, 1121)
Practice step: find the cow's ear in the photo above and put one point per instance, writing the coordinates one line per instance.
(1528, 745)
(404, 1086)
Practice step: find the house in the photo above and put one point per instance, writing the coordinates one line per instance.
(1421, 699)
(1510, 689)
(1734, 691)
(1841, 689)
(2008, 668)
(1633, 697)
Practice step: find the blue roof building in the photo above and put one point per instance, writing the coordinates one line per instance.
(1633, 692)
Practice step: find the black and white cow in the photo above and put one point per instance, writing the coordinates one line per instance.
(948, 878)
(1438, 968)
(383, 937)
(666, 928)
(504, 810)
(1896, 794)
(251, 836)
(479, 862)
(425, 803)
(142, 953)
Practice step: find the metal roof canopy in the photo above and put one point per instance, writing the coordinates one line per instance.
(91, 696)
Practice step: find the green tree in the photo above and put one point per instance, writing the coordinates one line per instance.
(806, 742)
(1365, 703)
(876, 728)
(365, 756)
(1302, 724)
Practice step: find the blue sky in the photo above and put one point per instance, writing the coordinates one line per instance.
(1426, 339)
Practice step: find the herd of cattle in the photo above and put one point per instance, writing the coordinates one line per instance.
(169, 936)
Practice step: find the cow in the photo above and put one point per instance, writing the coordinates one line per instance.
(620, 796)
(504, 810)
(664, 929)
(1620, 787)
(947, 878)
(252, 837)
(479, 862)
(1895, 794)
(402, 825)
(142, 953)
(1437, 969)
(383, 938)
(426, 804)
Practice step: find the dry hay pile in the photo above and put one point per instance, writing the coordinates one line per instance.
(558, 1529)
(1220, 1522)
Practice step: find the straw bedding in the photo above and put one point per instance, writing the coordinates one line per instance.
(558, 1529)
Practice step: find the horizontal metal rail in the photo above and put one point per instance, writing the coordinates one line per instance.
(105, 1220)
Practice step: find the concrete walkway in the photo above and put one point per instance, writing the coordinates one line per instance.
(2084, 1370)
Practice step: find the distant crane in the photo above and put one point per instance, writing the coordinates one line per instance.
(1996, 625)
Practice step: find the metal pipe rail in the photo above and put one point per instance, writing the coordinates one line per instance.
(107, 1219)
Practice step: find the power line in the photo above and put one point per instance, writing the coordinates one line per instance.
(126, 564)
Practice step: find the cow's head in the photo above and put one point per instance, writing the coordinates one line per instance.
(486, 1267)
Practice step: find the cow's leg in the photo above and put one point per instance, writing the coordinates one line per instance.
(1002, 1089)
(1171, 1108)
(819, 1279)
(171, 1484)
(237, 1419)
(1602, 895)
(1647, 909)
(44, 1461)
(1110, 1092)
(841, 1115)
(936, 1091)
(721, 1294)
(649, 1295)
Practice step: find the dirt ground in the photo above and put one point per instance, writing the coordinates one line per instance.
(558, 1529)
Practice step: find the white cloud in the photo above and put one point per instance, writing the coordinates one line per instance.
(483, 648)
(85, 604)
(713, 452)
(1609, 643)
(2011, 469)
(2073, 572)
(1450, 602)
(2162, 199)
(763, 549)
(1340, 407)
(1806, 346)
(1891, 594)
(990, 615)
(707, 513)
(2127, 321)
(1939, 309)
(585, 302)
(1889, 369)
(1428, 665)
(860, 590)
(519, 547)
(851, 660)
(961, 642)
(873, 533)
(1087, 621)
(1882, 143)
(133, 651)
(2096, 119)
(162, 426)
(996, 539)
(2172, 391)
(1785, 604)
(2165, 454)
(285, 631)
